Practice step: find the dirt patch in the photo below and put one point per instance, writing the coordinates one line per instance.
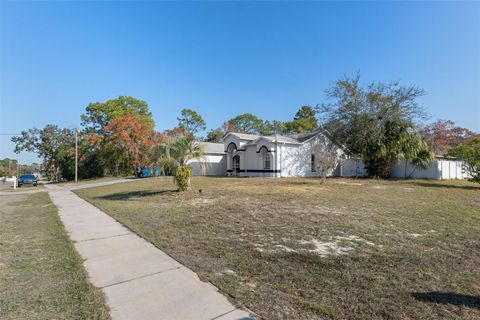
(326, 248)
(349, 183)
(202, 201)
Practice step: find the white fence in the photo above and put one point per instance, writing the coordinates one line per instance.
(441, 168)
(351, 168)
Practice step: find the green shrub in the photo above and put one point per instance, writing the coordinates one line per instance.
(182, 177)
(470, 153)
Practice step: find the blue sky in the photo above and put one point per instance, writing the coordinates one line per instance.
(227, 58)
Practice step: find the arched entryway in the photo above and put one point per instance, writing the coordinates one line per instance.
(236, 164)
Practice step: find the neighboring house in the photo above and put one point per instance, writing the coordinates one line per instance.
(212, 163)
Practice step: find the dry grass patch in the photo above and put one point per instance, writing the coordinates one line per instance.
(41, 275)
(8, 187)
(297, 249)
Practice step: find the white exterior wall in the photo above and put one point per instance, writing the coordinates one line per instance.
(253, 160)
(295, 160)
(351, 168)
(213, 164)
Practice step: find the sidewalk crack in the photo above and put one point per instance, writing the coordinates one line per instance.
(223, 314)
(100, 238)
(141, 277)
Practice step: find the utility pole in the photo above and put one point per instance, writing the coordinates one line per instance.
(76, 155)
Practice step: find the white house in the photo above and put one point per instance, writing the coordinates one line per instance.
(248, 155)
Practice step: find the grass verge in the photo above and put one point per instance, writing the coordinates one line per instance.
(41, 274)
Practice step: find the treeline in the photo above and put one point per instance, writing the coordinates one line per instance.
(380, 122)
(11, 167)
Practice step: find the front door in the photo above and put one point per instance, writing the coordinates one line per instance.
(236, 165)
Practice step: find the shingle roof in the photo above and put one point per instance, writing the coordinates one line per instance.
(304, 136)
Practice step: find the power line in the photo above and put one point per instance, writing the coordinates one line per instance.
(9, 134)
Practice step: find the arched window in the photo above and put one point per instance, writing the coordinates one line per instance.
(232, 147)
(267, 160)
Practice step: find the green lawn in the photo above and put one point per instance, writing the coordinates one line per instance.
(297, 249)
(41, 275)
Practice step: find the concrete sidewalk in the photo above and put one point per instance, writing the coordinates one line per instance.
(139, 280)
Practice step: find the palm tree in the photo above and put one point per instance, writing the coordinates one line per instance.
(161, 156)
(399, 142)
(417, 151)
(185, 149)
(174, 156)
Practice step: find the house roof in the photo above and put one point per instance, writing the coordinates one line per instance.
(304, 136)
(298, 138)
(243, 136)
(275, 139)
(254, 137)
(212, 148)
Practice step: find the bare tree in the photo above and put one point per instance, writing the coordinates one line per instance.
(327, 158)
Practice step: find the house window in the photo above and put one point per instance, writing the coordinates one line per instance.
(312, 163)
(266, 161)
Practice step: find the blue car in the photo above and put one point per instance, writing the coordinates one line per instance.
(145, 172)
(27, 179)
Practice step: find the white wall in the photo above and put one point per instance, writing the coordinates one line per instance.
(253, 160)
(351, 168)
(214, 165)
(295, 160)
